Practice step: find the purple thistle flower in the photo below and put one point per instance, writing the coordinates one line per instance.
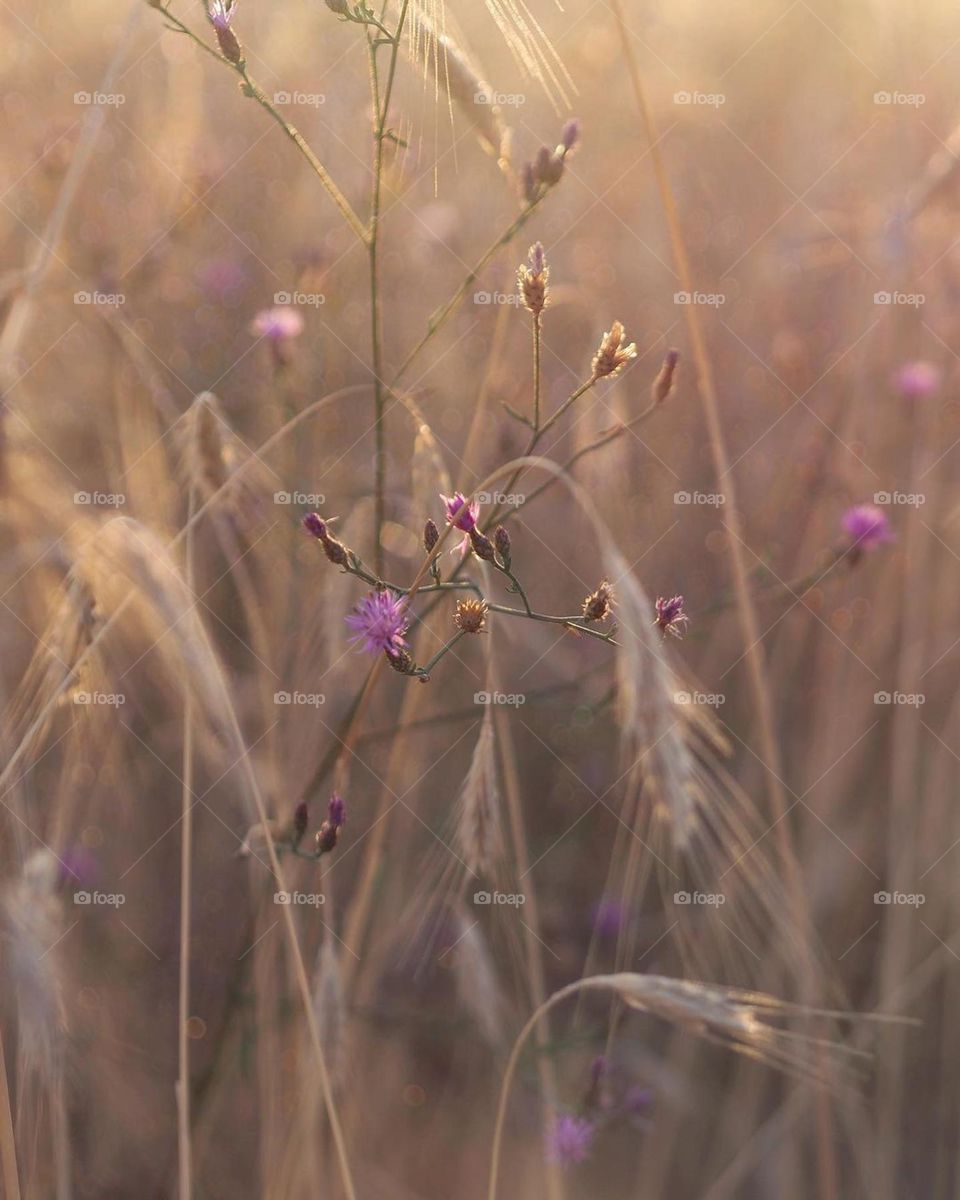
(868, 527)
(380, 621)
(221, 14)
(467, 519)
(670, 616)
(569, 1139)
(917, 380)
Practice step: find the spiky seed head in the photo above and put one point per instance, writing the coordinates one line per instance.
(599, 604)
(532, 279)
(613, 355)
(471, 616)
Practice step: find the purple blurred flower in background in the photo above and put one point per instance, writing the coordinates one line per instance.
(380, 621)
(917, 380)
(868, 527)
(607, 917)
(569, 1140)
(277, 325)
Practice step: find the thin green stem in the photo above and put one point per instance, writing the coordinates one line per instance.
(442, 315)
(536, 370)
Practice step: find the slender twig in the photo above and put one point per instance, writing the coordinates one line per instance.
(255, 92)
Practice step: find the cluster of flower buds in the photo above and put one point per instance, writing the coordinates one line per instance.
(329, 832)
(318, 528)
(546, 170)
(532, 279)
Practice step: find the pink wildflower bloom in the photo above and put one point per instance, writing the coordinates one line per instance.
(380, 621)
(868, 526)
(279, 324)
(917, 380)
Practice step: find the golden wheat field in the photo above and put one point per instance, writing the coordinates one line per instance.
(480, 548)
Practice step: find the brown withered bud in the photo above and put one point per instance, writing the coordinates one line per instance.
(529, 180)
(663, 384)
(599, 604)
(501, 540)
(482, 546)
(431, 535)
(221, 13)
(471, 616)
(401, 661)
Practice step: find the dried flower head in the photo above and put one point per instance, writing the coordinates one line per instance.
(868, 527)
(670, 616)
(569, 1139)
(532, 279)
(380, 620)
(471, 616)
(599, 604)
(613, 355)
